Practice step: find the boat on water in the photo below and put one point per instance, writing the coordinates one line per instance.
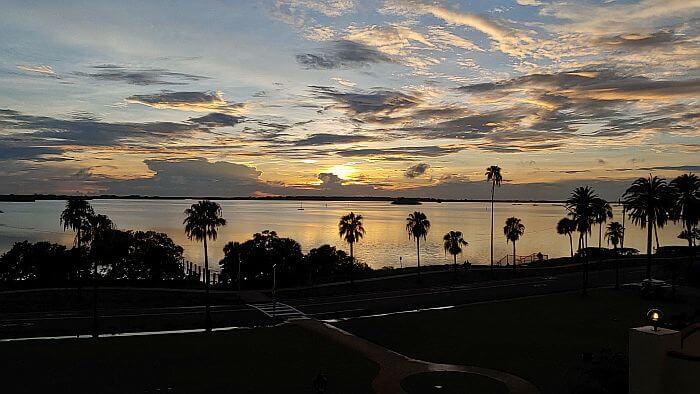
(301, 206)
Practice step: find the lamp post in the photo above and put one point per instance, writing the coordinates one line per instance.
(274, 289)
(654, 316)
(238, 278)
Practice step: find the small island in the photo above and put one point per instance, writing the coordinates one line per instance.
(406, 201)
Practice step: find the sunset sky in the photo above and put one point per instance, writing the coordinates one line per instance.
(346, 97)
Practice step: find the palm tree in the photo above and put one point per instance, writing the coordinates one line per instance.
(581, 205)
(98, 226)
(417, 226)
(693, 236)
(351, 230)
(76, 216)
(452, 243)
(602, 212)
(614, 234)
(493, 175)
(648, 201)
(201, 223)
(567, 226)
(686, 206)
(513, 230)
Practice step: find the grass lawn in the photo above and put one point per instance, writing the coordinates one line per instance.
(74, 299)
(540, 339)
(278, 359)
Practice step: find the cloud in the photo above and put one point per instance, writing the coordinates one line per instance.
(443, 38)
(399, 154)
(533, 3)
(621, 17)
(379, 102)
(686, 168)
(31, 152)
(329, 181)
(508, 40)
(40, 69)
(599, 84)
(217, 119)
(642, 41)
(187, 101)
(87, 131)
(142, 77)
(342, 54)
(302, 14)
(331, 139)
(192, 177)
(416, 170)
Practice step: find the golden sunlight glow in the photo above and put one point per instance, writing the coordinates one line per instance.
(343, 171)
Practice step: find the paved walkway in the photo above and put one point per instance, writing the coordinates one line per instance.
(394, 367)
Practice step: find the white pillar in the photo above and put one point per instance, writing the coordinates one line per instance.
(648, 358)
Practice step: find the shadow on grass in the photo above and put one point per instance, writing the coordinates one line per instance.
(279, 359)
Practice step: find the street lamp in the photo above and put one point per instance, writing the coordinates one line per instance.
(654, 316)
(274, 289)
(238, 277)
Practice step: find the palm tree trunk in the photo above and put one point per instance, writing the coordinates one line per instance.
(617, 269)
(571, 245)
(584, 245)
(649, 235)
(95, 326)
(691, 249)
(514, 258)
(352, 266)
(493, 189)
(656, 235)
(80, 255)
(622, 240)
(600, 235)
(418, 255)
(207, 306)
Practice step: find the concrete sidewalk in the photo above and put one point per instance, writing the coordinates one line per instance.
(395, 367)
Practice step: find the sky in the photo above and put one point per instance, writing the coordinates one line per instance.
(346, 97)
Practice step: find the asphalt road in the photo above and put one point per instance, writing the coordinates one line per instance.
(74, 323)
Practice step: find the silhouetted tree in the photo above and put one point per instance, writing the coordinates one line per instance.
(43, 262)
(452, 242)
(648, 201)
(258, 256)
(614, 234)
(143, 255)
(493, 175)
(693, 236)
(686, 207)
(602, 211)
(417, 226)
(201, 223)
(327, 261)
(567, 226)
(513, 230)
(76, 216)
(581, 206)
(351, 230)
(98, 226)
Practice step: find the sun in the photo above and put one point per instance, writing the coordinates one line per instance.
(343, 171)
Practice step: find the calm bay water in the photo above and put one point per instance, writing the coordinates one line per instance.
(386, 239)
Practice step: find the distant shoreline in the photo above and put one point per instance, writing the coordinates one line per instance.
(49, 197)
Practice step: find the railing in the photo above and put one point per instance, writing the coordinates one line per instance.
(519, 260)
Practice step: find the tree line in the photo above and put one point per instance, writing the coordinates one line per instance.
(101, 250)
